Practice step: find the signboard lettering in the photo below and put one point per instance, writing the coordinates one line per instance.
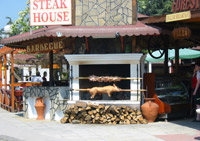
(178, 16)
(181, 33)
(50, 12)
(183, 5)
(45, 47)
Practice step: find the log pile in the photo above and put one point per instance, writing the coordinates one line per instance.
(102, 114)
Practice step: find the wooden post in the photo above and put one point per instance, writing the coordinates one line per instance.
(149, 84)
(166, 44)
(5, 71)
(134, 44)
(134, 11)
(12, 83)
(86, 42)
(166, 61)
(1, 72)
(176, 60)
(73, 12)
(51, 68)
(122, 45)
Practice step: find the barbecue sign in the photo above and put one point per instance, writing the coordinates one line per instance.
(50, 12)
(45, 47)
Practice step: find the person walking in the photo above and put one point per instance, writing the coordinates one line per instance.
(196, 92)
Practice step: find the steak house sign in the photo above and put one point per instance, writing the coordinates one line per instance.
(50, 12)
(183, 5)
(45, 47)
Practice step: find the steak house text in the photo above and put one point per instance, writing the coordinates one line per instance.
(50, 11)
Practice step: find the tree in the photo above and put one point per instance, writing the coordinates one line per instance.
(22, 25)
(2, 31)
(154, 7)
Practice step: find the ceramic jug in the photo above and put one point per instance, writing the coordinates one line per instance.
(150, 109)
(40, 107)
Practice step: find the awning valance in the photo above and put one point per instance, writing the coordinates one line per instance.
(79, 31)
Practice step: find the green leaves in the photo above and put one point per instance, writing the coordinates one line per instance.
(22, 25)
(154, 7)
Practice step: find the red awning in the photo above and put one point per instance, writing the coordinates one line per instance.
(79, 31)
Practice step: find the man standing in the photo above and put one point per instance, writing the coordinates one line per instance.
(37, 78)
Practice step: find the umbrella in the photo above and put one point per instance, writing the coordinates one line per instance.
(183, 54)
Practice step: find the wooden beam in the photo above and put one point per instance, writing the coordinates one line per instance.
(73, 12)
(1, 72)
(166, 47)
(5, 70)
(122, 45)
(12, 82)
(27, 84)
(166, 61)
(134, 44)
(134, 11)
(86, 42)
(51, 68)
(176, 60)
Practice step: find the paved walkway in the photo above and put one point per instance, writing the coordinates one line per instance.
(13, 127)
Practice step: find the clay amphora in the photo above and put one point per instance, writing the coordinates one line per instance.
(150, 109)
(40, 106)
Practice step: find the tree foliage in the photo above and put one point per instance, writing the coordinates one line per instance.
(22, 24)
(2, 32)
(154, 7)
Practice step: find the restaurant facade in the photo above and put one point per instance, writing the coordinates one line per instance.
(101, 41)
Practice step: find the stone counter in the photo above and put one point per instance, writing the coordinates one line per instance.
(55, 99)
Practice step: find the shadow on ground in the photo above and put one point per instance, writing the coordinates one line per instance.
(8, 138)
(187, 122)
(20, 114)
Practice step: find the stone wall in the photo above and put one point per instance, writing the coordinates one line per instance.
(103, 12)
(58, 97)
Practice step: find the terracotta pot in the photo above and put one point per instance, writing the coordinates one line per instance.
(150, 109)
(40, 106)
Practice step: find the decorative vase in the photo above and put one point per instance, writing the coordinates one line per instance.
(150, 109)
(40, 106)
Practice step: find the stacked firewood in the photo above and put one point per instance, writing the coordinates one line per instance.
(102, 114)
